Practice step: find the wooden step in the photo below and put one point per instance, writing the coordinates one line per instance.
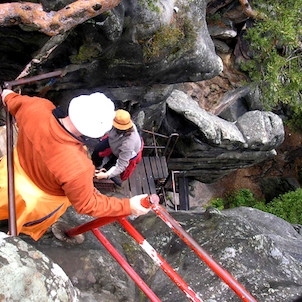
(145, 177)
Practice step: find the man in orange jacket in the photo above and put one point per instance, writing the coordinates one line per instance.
(52, 170)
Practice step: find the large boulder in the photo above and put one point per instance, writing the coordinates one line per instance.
(139, 54)
(261, 251)
(136, 43)
(210, 147)
(262, 130)
(26, 274)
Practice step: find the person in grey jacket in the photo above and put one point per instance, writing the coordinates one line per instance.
(123, 145)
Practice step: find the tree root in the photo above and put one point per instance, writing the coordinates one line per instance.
(32, 15)
(247, 9)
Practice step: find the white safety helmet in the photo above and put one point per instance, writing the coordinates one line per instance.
(92, 115)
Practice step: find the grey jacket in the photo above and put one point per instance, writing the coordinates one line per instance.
(124, 148)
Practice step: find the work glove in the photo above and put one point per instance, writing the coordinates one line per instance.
(4, 93)
(101, 174)
(135, 205)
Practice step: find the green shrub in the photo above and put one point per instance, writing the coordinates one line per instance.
(295, 121)
(287, 206)
(171, 41)
(243, 197)
(261, 205)
(275, 43)
(217, 203)
(150, 4)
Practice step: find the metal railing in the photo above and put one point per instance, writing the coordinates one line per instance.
(170, 145)
(153, 202)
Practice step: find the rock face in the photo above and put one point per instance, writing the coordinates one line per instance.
(140, 54)
(262, 252)
(145, 58)
(28, 275)
(134, 44)
(207, 141)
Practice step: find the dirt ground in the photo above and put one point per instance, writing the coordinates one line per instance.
(287, 163)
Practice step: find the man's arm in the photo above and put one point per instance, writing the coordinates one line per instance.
(120, 166)
(18, 104)
(87, 200)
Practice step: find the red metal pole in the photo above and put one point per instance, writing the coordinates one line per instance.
(91, 225)
(159, 260)
(124, 264)
(208, 259)
(153, 202)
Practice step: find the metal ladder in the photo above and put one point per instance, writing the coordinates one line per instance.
(153, 202)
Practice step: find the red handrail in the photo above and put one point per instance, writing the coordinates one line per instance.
(124, 264)
(153, 201)
(159, 260)
(96, 223)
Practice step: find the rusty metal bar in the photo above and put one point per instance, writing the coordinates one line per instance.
(33, 79)
(161, 147)
(12, 220)
(165, 197)
(154, 147)
(154, 133)
(174, 188)
(155, 144)
(168, 143)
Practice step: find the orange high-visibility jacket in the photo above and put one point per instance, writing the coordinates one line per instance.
(36, 210)
(56, 161)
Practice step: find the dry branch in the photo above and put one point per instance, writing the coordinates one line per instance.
(43, 54)
(247, 9)
(53, 22)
